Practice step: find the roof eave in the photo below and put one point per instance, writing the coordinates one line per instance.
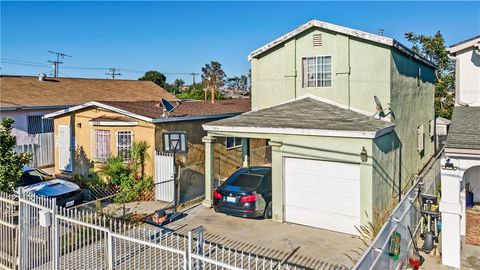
(193, 118)
(298, 131)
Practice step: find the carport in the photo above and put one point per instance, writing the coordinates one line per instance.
(325, 161)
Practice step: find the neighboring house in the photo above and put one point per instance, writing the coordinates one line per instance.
(442, 125)
(89, 133)
(337, 158)
(461, 165)
(28, 98)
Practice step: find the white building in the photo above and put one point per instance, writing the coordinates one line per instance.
(461, 164)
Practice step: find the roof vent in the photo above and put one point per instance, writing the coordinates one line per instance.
(41, 77)
(317, 40)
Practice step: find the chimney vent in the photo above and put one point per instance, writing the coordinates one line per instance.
(41, 77)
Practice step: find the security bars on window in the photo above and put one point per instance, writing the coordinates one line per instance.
(317, 71)
(124, 144)
(37, 124)
(102, 148)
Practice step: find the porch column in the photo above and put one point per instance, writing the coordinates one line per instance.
(209, 169)
(451, 209)
(245, 152)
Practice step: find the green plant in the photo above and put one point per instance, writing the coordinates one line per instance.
(93, 180)
(11, 163)
(115, 170)
(139, 156)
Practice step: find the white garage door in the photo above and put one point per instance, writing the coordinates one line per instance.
(322, 194)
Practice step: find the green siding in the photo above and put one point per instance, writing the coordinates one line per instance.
(411, 106)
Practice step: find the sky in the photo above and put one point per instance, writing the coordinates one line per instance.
(181, 37)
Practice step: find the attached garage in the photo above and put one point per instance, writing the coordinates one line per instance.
(322, 194)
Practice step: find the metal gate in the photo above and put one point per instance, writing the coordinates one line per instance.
(8, 231)
(164, 173)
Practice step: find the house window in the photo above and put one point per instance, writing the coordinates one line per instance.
(431, 128)
(233, 142)
(102, 145)
(420, 138)
(124, 144)
(37, 124)
(317, 71)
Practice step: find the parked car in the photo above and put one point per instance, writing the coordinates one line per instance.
(246, 193)
(43, 184)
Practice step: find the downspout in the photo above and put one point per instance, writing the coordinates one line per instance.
(457, 80)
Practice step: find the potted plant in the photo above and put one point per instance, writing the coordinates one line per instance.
(468, 196)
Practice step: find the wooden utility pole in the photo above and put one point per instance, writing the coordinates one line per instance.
(57, 62)
(113, 72)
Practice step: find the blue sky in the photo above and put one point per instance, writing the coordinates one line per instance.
(180, 37)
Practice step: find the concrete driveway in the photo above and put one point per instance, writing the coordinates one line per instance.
(308, 247)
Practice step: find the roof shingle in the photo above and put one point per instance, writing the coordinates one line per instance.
(464, 132)
(27, 91)
(306, 113)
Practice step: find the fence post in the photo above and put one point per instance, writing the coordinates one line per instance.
(110, 249)
(56, 238)
(189, 251)
(20, 229)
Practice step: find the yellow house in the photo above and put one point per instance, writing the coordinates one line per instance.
(87, 134)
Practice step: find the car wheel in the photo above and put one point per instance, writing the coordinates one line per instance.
(267, 214)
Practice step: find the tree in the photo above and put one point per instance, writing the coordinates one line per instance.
(433, 48)
(179, 83)
(11, 163)
(154, 76)
(238, 83)
(213, 77)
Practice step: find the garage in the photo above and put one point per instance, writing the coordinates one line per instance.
(322, 194)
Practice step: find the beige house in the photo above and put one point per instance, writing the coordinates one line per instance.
(86, 135)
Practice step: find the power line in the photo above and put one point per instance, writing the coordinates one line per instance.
(57, 62)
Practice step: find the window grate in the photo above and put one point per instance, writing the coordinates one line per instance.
(124, 144)
(102, 147)
(317, 40)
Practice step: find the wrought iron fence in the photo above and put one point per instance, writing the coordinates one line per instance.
(52, 237)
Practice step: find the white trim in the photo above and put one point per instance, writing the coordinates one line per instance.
(316, 71)
(307, 132)
(475, 42)
(113, 123)
(100, 105)
(343, 30)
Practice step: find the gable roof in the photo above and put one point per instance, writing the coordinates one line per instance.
(382, 40)
(23, 92)
(471, 42)
(305, 116)
(464, 132)
(152, 111)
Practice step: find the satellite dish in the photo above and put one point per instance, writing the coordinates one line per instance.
(379, 105)
(167, 106)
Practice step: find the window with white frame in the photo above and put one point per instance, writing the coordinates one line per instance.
(124, 144)
(37, 124)
(317, 71)
(233, 142)
(102, 145)
(420, 138)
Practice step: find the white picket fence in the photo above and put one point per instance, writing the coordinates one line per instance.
(36, 234)
(42, 151)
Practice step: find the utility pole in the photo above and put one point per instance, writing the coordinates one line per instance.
(57, 62)
(113, 72)
(193, 77)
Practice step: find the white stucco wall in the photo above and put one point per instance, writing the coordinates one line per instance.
(20, 127)
(468, 77)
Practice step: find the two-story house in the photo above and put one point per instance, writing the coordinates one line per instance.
(349, 116)
(461, 166)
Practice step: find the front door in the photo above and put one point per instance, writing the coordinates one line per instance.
(64, 148)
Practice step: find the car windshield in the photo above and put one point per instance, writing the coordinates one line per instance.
(33, 177)
(244, 180)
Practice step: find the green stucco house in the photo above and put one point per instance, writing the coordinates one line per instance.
(349, 116)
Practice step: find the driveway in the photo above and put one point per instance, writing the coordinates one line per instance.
(309, 247)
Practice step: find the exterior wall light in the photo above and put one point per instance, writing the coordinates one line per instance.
(449, 165)
(363, 154)
(79, 125)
